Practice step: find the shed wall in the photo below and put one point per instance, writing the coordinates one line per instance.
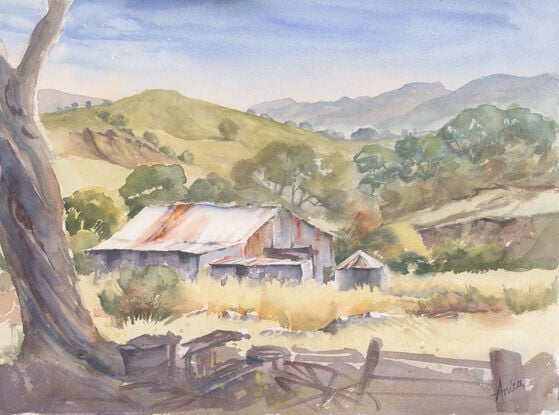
(110, 260)
(347, 279)
(290, 231)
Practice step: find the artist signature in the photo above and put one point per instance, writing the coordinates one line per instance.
(502, 392)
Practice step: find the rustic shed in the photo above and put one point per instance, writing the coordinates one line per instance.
(259, 268)
(361, 269)
(188, 235)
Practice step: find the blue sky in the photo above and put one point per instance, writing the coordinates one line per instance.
(240, 52)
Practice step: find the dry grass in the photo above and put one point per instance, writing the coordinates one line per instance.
(310, 306)
(488, 283)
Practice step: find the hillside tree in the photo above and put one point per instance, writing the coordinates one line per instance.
(150, 185)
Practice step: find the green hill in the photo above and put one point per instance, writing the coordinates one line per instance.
(180, 123)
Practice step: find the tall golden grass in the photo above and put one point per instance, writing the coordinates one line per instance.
(310, 306)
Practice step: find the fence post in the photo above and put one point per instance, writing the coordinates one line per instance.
(371, 361)
(509, 389)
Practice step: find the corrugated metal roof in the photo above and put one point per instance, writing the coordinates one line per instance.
(360, 260)
(194, 228)
(254, 262)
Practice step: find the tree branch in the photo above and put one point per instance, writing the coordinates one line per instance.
(3, 51)
(43, 37)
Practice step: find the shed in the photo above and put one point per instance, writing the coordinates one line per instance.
(259, 268)
(361, 269)
(188, 235)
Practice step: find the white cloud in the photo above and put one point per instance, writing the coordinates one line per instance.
(17, 23)
(32, 4)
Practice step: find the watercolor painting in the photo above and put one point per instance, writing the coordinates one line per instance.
(279, 207)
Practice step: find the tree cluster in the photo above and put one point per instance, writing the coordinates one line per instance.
(294, 175)
(485, 147)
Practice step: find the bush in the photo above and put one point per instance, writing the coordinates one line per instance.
(151, 137)
(519, 302)
(168, 151)
(118, 120)
(460, 258)
(92, 210)
(82, 240)
(407, 259)
(228, 129)
(472, 301)
(186, 157)
(104, 115)
(144, 293)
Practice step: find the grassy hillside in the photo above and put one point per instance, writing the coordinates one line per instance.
(183, 124)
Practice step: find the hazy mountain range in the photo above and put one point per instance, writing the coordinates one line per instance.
(53, 100)
(421, 106)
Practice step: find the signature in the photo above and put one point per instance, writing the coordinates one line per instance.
(508, 389)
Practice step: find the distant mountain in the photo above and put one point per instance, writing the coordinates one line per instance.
(539, 93)
(52, 100)
(348, 114)
(273, 105)
(421, 106)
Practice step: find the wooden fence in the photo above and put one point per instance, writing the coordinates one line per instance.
(493, 384)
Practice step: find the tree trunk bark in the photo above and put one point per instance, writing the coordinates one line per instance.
(56, 325)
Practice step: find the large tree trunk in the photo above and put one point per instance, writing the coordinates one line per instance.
(56, 325)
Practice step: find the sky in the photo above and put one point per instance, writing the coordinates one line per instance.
(241, 52)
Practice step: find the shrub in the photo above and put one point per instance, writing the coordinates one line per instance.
(407, 259)
(168, 151)
(104, 115)
(144, 293)
(118, 120)
(151, 137)
(472, 301)
(461, 258)
(228, 129)
(186, 157)
(519, 302)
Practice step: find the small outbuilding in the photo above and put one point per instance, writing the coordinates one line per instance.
(361, 269)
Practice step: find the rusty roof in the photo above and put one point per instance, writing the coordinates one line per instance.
(189, 227)
(360, 260)
(255, 261)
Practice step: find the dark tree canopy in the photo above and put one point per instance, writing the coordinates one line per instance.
(366, 133)
(213, 188)
(150, 185)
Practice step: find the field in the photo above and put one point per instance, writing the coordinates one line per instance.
(290, 315)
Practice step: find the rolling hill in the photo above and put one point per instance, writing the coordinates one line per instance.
(88, 153)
